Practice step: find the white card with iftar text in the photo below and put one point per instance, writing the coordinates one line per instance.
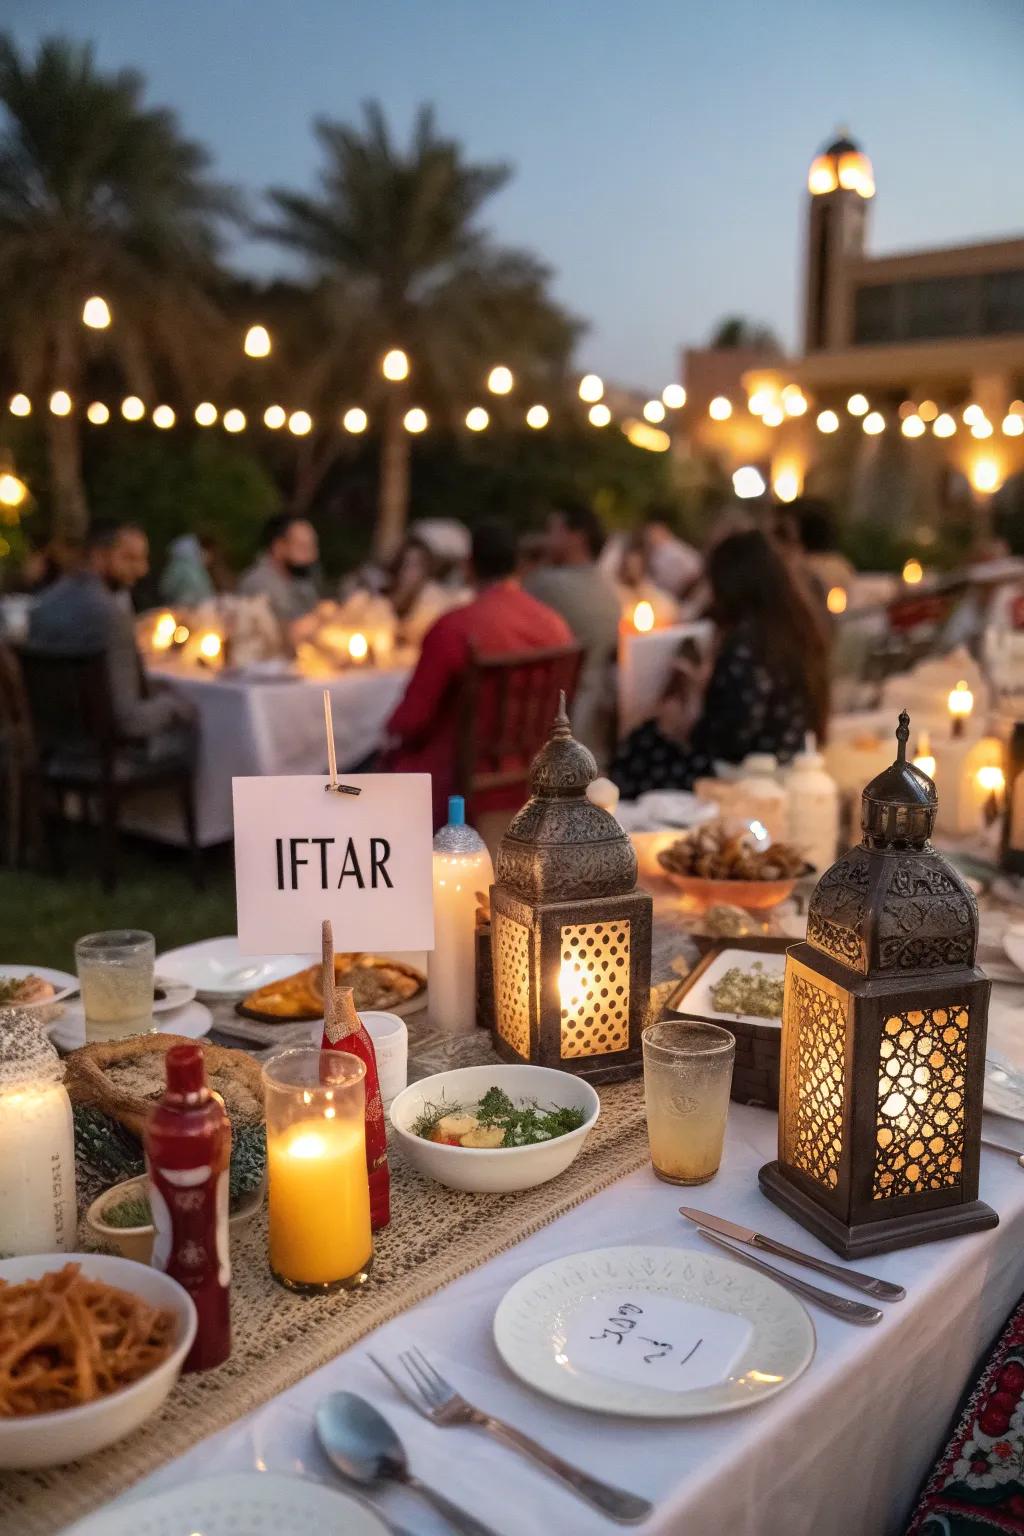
(304, 853)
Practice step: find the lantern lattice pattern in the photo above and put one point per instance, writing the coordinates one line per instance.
(920, 1131)
(511, 954)
(570, 932)
(814, 1133)
(593, 986)
(883, 1038)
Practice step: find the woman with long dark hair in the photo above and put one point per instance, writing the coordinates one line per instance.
(769, 682)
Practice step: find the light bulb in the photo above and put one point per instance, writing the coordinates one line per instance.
(415, 420)
(500, 380)
(591, 388)
(96, 313)
(257, 341)
(477, 419)
(395, 365)
(537, 416)
(355, 419)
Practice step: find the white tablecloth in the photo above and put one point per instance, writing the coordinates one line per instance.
(273, 725)
(840, 1453)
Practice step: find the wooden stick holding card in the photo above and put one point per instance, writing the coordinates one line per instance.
(344, 1031)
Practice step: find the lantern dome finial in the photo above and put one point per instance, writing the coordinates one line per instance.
(561, 846)
(899, 806)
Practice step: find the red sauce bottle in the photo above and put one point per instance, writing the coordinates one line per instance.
(188, 1148)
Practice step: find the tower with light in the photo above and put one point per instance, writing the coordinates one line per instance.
(841, 184)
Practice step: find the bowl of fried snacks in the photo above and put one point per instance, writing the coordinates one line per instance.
(90, 1346)
(717, 864)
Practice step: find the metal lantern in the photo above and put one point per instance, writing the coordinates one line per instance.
(883, 1038)
(570, 932)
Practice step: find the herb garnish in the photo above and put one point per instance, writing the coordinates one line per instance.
(524, 1126)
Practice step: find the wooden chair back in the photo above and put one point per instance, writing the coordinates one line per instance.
(507, 706)
(69, 703)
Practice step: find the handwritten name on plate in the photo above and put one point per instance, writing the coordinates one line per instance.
(655, 1340)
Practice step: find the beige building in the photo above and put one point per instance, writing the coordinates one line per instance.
(908, 400)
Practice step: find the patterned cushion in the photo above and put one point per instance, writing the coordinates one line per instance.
(977, 1487)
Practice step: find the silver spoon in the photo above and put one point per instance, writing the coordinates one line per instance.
(361, 1444)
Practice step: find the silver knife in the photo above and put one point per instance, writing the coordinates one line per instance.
(999, 1146)
(840, 1306)
(884, 1290)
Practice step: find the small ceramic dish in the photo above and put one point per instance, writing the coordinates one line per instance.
(494, 1170)
(137, 1242)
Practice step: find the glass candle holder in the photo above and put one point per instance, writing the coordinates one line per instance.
(687, 1078)
(319, 1193)
(115, 972)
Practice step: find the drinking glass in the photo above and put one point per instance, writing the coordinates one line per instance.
(687, 1078)
(319, 1189)
(115, 972)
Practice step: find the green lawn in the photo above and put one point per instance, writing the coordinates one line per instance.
(42, 915)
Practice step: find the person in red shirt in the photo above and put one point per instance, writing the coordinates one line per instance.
(501, 620)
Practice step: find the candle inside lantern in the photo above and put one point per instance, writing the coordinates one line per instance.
(319, 1195)
(164, 631)
(643, 617)
(837, 599)
(924, 758)
(960, 704)
(358, 648)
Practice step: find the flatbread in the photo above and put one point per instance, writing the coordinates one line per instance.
(376, 983)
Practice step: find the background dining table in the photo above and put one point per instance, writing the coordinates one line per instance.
(842, 1452)
(253, 723)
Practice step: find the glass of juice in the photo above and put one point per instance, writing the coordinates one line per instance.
(115, 972)
(687, 1078)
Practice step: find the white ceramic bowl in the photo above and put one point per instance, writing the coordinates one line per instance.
(1013, 944)
(51, 1439)
(494, 1170)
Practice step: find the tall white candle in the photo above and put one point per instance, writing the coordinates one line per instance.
(37, 1144)
(462, 868)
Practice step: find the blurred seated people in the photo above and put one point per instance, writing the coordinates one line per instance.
(286, 573)
(185, 581)
(768, 684)
(500, 620)
(416, 594)
(672, 564)
(818, 542)
(90, 610)
(573, 585)
(635, 585)
(731, 518)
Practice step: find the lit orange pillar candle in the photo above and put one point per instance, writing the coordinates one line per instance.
(319, 1196)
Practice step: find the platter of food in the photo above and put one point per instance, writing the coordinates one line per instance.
(33, 986)
(379, 982)
(90, 1347)
(738, 985)
(716, 864)
(494, 1128)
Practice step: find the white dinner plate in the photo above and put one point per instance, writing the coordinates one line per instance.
(663, 1333)
(217, 968)
(68, 1032)
(237, 1504)
(176, 993)
(64, 983)
(698, 999)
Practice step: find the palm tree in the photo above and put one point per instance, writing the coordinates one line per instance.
(399, 260)
(737, 331)
(99, 194)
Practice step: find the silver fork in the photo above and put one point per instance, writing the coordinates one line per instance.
(439, 1402)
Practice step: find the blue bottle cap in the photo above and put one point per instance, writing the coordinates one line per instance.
(456, 811)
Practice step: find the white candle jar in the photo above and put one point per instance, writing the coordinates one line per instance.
(38, 1211)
